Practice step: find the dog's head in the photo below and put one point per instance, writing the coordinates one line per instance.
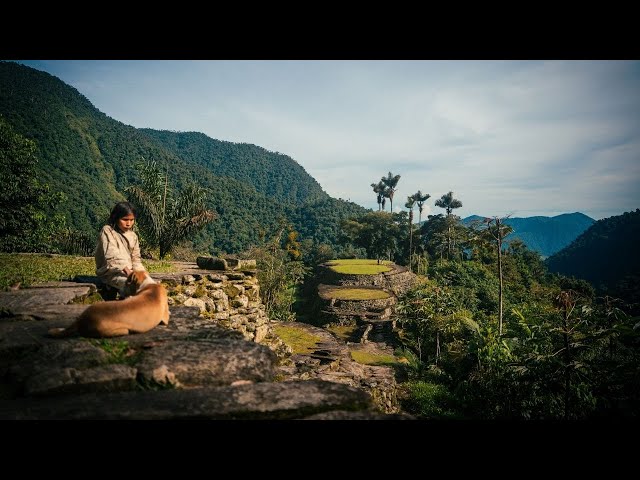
(136, 280)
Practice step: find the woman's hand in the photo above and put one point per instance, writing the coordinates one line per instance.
(127, 271)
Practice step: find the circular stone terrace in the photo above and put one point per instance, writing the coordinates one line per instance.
(361, 292)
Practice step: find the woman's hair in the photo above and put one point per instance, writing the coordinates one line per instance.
(121, 209)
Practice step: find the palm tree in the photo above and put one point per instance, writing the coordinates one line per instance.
(448, 202)
(378, 189)
(410, 203)
(420, 198)
(167, 220)
(390, 181)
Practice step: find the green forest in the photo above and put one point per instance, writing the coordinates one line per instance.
(90, 159)
(490, 330)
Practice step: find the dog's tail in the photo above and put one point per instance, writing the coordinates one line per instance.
(70, 331)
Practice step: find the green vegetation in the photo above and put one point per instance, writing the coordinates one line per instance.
(165, 218)
(367, 357)
(89, 159)
(28, 269)
(355, 293)
(24, 199)
(299, 339)
(118, 351)
(429, 401)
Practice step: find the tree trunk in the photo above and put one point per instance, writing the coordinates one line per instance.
(567, 356)
(500, 285)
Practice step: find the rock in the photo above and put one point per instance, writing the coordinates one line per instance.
(195, 302)
(211, 263)
(278, 400)
(203, 361)
(38, 297)
(359, 415)
(107, 378)
(236, 264)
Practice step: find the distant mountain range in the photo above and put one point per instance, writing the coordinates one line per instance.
(545, 235)
(606, 255)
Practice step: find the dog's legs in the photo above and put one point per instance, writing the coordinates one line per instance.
(113, 329)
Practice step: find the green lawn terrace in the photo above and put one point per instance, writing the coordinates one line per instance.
(366, 273)
(360, 307)
(357, 266)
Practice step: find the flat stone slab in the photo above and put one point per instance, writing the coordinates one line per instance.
(104, 378)
(207, 362)
(41, 296)
(361, 415)
(275, 400)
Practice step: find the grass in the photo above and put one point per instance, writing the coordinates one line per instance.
(360, 269)
(298, 339)
(359, 266)
(119, 351)
(32, 268)
(355, 293)
(369, 358)
(357, 261)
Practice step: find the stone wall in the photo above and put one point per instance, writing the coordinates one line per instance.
(229, 298)
(398, 280)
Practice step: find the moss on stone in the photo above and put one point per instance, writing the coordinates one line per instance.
(371, 358)
(300, 340)
(344, 332)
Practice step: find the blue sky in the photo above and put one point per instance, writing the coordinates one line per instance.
(507, 137)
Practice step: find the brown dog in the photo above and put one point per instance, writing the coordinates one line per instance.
(136, 314)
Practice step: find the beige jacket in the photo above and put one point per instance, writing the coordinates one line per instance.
(114, 252)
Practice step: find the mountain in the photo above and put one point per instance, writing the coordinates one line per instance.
(92, 158)
(545, 235)
(273, 174)
(606, 255)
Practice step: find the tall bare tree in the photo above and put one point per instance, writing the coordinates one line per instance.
(410, 203)
(497, 229)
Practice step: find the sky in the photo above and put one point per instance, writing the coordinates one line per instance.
(519, 138)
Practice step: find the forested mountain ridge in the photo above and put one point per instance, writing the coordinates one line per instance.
(606, 254)
(92, 158)
(545, 235)
(273, 174)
